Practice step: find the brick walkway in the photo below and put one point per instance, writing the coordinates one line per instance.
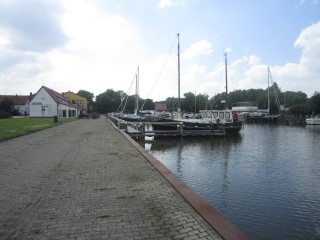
(84, 180)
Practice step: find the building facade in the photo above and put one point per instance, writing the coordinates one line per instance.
(77, 100)
(49, 103)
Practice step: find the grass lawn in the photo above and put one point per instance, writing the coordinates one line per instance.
(14, 127)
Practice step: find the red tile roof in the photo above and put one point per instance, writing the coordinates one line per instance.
(17, 100)
(160, 107)
(57, 97)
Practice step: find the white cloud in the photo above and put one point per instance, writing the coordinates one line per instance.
(4, 40)
(202, 47)
(249, 72)
(166, 3)
(303, 76)
(101, 51)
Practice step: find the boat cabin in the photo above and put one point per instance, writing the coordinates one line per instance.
(223, 115)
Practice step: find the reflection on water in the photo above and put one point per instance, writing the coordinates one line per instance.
(265, 180)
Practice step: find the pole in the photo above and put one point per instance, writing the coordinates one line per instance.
(179, 104)
(226, 63)
(137, 92)
(268, 91)
(195, 102)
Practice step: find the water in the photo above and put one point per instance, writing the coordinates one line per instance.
(266, 180)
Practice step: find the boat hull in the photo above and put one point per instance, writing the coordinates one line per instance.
(313, 122)
(229, 128)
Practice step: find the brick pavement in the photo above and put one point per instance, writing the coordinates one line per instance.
(84, 180)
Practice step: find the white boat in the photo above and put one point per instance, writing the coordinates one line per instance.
(314, 120)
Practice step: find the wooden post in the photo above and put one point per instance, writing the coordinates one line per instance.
(181, 128)
(142, 130)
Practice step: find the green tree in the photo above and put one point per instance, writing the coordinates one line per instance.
(6, 105)
(108, 101)
(315, 102)
(89, 96)
(148, 104)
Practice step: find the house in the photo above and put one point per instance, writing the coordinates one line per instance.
(49, 103)
(77, 100)
(21, 103)
(160, 107)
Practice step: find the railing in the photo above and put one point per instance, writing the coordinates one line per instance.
(138, 129)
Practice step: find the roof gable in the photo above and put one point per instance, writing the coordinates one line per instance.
(16, 99)
(57, 97)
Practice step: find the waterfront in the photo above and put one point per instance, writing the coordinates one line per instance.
(265, 180)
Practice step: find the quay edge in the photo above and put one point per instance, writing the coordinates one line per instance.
(215, 219)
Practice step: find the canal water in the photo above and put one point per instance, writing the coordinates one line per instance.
(265, 180)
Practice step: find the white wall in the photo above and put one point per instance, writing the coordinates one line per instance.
(42, 105)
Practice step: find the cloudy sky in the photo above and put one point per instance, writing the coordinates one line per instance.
(96, 45)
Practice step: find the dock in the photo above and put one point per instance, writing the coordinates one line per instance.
(89, 180)
(144, 129)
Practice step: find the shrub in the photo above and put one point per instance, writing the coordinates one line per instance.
(5, 115)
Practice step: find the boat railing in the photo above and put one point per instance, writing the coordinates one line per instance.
(144, 129)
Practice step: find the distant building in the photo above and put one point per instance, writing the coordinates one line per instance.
(160, 107)
(21, 103)
(49, 103)
(77, 100)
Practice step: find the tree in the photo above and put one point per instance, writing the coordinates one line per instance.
(7, 105)
(172, 103)
(107, 101)
(315, 102)
(189, 102)
(148, 104)
(89, 96)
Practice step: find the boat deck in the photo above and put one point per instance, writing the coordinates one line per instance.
(173, 133)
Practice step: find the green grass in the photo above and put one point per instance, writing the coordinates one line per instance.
(14, 127)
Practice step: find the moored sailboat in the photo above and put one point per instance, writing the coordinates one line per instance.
(224, 120)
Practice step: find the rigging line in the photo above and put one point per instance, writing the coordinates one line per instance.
(275, 93)
(173, 44)
(129, 90)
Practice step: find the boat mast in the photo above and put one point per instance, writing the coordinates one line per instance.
(179, 107)
(268, 91)
(226, 67)
(136, 107)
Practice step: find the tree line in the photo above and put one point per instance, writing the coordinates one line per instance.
(117, 101)
(297, 102)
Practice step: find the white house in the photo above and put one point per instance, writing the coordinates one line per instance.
(49, 103)
(21, 103)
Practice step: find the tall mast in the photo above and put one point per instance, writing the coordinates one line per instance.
(268, 91)
(226, 67)
(178, 73)
(136, 107)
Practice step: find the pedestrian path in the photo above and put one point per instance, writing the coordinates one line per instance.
(85, 180)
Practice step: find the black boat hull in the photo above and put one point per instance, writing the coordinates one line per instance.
(229, 128)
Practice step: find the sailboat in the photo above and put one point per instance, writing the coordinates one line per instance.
(226, 120)
(135, 117)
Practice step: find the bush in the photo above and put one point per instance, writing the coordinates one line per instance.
(5, 115)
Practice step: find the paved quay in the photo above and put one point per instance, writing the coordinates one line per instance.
(86, 180)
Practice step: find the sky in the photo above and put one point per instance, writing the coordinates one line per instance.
(95, 45)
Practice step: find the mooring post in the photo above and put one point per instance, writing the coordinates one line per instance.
(181, 128)
(142, 130)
